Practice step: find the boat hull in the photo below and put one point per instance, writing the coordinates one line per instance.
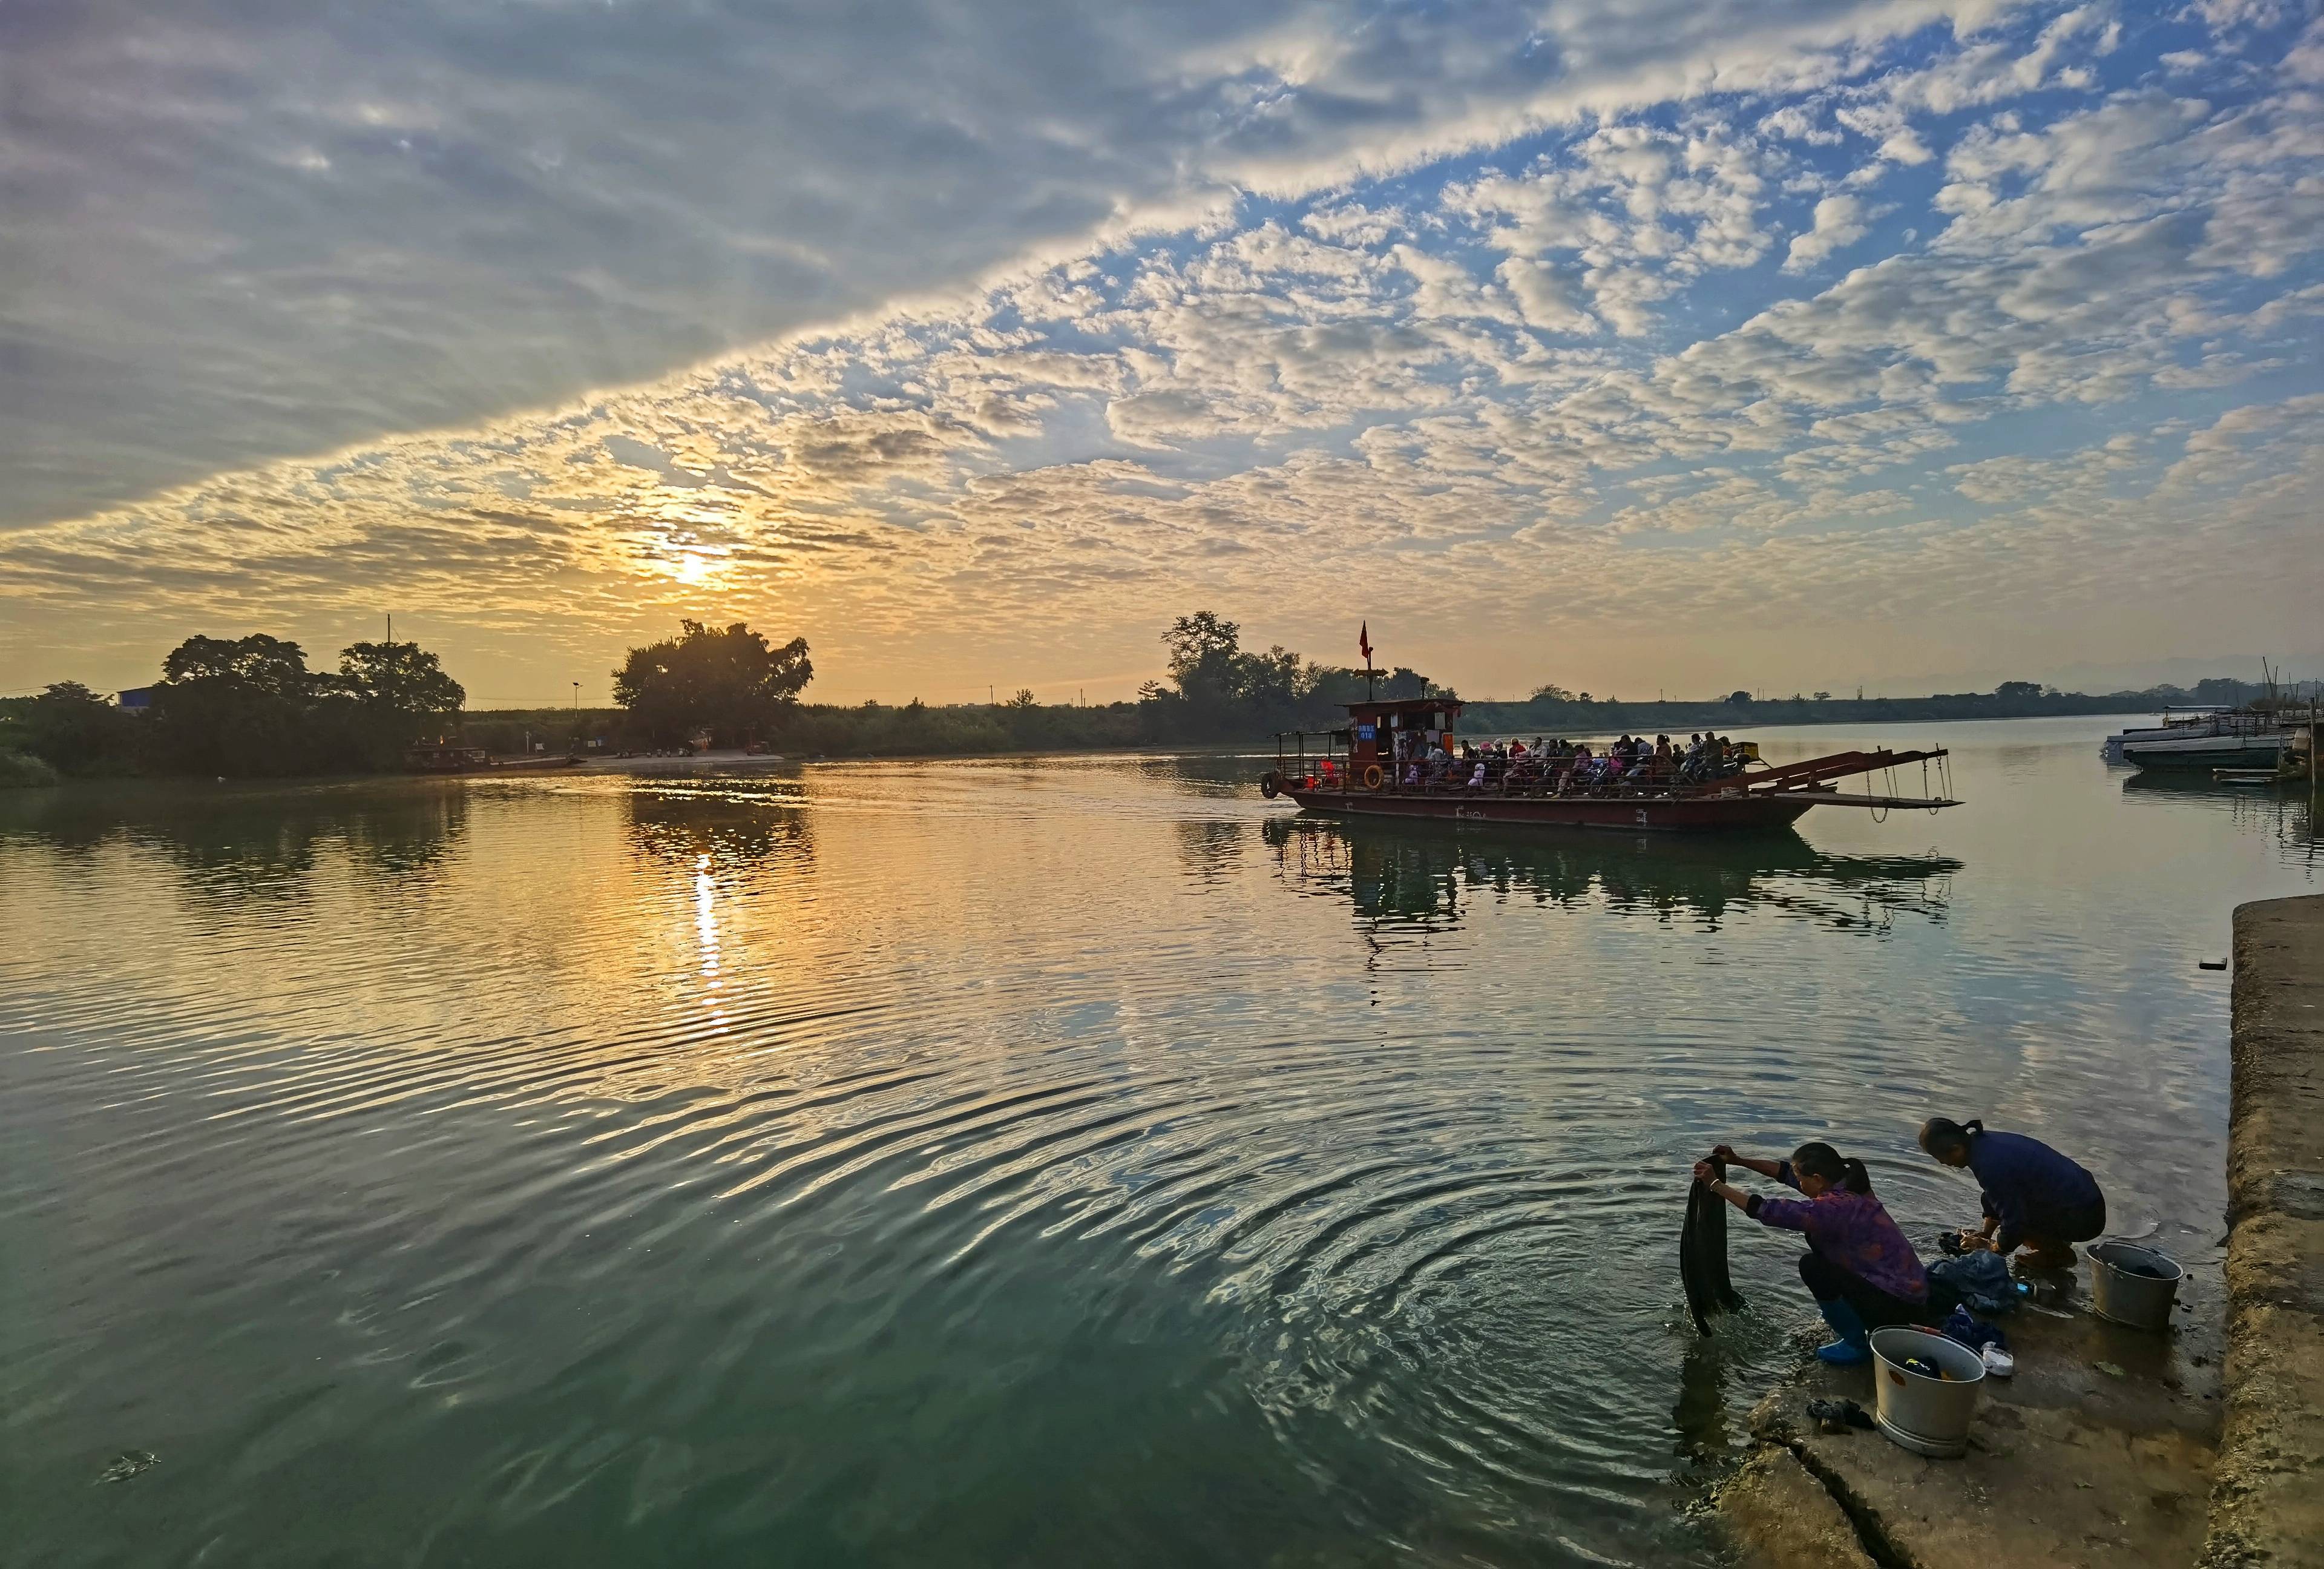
(2257, 752)
(1732, 814)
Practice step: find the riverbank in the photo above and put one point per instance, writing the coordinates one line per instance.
(2111, 1445)
(2099, 1454)
(2268, 1504)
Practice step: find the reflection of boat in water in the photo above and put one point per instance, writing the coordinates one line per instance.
(2282, 808)
(1396, 760)
(1424, 872)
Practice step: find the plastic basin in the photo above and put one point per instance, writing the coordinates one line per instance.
(1925, 1415)
(2133, 1285)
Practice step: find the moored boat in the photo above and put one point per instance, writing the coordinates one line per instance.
(2244, 750)
(1372, 768)
(2252, 737)
(2241, 738)
(2190, 724)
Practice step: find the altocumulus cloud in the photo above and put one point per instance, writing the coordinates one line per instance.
(1040, 320)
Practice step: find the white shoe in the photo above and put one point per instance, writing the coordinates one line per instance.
(1998, 1362)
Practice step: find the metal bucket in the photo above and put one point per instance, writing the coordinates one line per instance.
(2133, 1285)
(1927, 1415)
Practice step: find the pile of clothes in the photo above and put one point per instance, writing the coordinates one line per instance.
(1979, 1279)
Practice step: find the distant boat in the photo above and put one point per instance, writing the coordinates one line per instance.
(2192, 722)
(2239, 738)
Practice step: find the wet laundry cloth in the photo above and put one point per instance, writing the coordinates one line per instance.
(1702, 1253)
(1979, 1279)
(1972, 1332)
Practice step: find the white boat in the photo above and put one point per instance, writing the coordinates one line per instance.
(2222, 738)
(2194, 724)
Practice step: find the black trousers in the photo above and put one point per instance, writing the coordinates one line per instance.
(2075, 1223)
(1828, 1282)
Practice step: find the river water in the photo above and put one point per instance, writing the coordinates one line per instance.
(1038, 1161)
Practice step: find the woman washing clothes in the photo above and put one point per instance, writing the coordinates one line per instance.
(1860, 1268)
(2034, 1197)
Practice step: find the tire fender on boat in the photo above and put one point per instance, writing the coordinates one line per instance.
(1267, 785)
(1374, 778)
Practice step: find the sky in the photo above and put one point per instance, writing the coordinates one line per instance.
(1639, 345)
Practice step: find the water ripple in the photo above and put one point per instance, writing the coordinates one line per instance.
(1010, 1161)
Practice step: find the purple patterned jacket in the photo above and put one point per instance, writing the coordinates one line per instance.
(1852, 1231)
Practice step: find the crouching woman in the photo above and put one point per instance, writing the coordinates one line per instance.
(1860, 1268)
(2034, 1197)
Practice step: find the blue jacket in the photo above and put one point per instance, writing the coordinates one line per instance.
(2024, 1178)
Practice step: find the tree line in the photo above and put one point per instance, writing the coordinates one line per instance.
(239, 707)
(736, 686)
(1555, 710)
(251, 706)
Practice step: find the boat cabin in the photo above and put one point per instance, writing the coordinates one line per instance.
(1381, 733)
(1385, 733)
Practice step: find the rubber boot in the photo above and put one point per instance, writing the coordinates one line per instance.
(1849, 1349)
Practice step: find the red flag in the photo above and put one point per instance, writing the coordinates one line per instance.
(1364, 642)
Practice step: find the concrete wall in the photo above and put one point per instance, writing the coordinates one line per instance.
(2267, 1497)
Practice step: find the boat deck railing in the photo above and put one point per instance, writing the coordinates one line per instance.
(1554, 784)
(1578, 780)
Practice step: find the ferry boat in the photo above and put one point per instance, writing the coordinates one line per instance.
(1365, 770)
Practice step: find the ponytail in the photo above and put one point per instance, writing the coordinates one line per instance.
(1938, 1134)
(1822, 1160)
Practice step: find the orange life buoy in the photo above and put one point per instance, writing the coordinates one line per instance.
(1373, 778)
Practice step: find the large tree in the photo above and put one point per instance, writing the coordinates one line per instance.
(235, 705)
(727, 680)
(249, 705)
(1205, 658)
(257, 663)
(401, 682)
(1217, 689)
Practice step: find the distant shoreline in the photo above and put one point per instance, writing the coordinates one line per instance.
(728, 762)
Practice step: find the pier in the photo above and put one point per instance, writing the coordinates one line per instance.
(2268, 1504)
